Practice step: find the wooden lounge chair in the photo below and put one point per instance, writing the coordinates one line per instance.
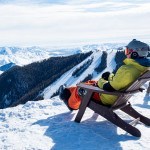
(121, 103)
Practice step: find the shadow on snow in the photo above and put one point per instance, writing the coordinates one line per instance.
(88, 135)
(146, 100)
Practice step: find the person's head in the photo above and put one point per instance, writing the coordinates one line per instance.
(137, 49)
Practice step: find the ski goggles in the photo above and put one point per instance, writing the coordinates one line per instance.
(128, 51)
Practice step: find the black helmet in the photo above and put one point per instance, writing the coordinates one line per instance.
(138, 48)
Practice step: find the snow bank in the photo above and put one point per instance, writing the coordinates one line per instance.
(48, 124)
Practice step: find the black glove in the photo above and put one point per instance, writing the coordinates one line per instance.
(105, 75)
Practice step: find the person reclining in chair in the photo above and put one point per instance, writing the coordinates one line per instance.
(135, 65)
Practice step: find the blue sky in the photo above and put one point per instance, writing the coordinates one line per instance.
(66, 22)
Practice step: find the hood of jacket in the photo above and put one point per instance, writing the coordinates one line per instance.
(144, 61)
(141, 64)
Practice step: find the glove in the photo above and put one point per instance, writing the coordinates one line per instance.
(105, 75)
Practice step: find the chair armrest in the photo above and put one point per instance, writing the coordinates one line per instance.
(98, 90)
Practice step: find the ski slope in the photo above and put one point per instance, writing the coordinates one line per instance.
(68, 80)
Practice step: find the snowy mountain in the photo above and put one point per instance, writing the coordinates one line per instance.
(48, 124)
(7, 66)
(69, 80)
(23, 83)
(22, 56)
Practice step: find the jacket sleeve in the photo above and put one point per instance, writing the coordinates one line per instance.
(103, 84)
(111, 77)
(123, 78)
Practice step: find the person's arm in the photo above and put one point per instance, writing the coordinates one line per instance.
(121, 80)
(108, 87)
(103, 84)
(104, 81)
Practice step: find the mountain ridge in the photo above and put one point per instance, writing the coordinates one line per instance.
(22, 83)
(25, 55)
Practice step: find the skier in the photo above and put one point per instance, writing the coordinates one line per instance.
(135, 65)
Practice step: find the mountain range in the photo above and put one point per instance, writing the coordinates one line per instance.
(25, 55)
(28, 72)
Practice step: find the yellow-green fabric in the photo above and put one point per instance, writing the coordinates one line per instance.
(110, 78)
(123, 78)
(101, 81)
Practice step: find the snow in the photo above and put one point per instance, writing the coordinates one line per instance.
(69, 80)
(26, 55)
(1, 72)
(48, 124)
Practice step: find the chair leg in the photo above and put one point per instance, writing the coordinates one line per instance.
(125, 126)
(114, 118)
(132, 112)
(83, 106)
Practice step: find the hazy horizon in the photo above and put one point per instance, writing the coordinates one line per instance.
(49, 23)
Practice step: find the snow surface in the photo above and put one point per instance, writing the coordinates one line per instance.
(26, 55)
(69, 80)
(1, 72)
(48, 124)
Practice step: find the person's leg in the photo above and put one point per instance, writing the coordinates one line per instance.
(96, 98)
(74, 100)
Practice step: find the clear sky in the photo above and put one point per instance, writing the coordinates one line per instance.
(66, 22)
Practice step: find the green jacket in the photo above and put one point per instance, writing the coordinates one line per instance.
(123, 78)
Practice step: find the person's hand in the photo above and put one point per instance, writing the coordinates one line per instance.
(105, 75)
